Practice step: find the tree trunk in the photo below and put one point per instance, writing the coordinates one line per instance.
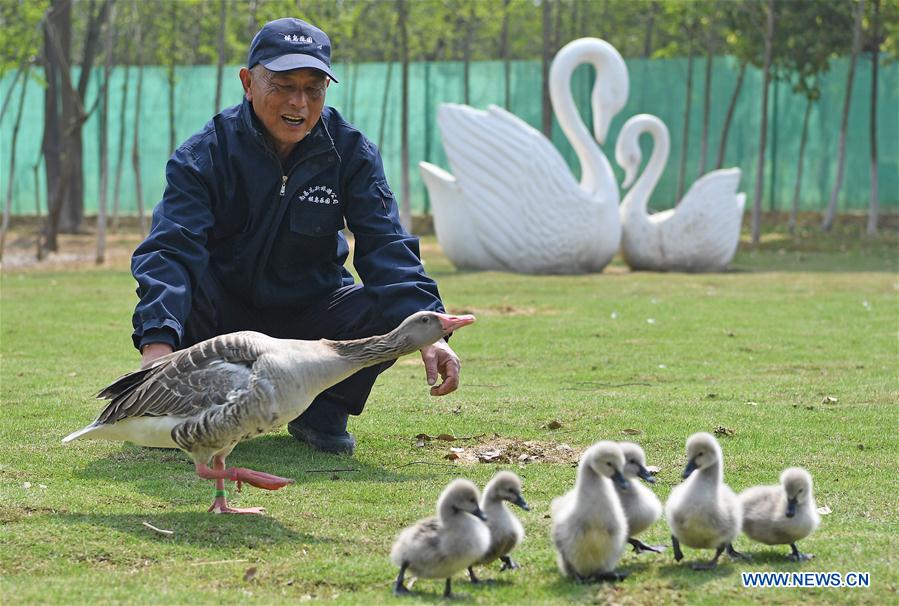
(386, 98)
(760, 168)
(135, 142)
(706, 102)
(830, 215)
(104, 142)
(7, 208)
(252, 24)
(650, 24)
(504, 56)
(730, 115)
(406, 203)
(547, 111)
(875, 51)
(220, 67)
(116, 199)
(685, 142)
(794, 207)
(173, 56)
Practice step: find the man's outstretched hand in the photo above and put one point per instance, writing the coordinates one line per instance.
(151, 351)
(440, 358)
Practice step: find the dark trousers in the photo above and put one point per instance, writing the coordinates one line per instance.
(347, 313)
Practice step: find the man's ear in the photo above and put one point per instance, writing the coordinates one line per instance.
(245, 79)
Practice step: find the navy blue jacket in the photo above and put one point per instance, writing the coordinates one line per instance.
(270, 230)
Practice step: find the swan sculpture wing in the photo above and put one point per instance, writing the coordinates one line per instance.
(526, 197)
(186, 382)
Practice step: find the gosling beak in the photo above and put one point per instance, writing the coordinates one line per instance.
(521, 503)
(644, 473)
(791, 507)
(620, 480)
(453, 323)
(691, 467)
(479, 514)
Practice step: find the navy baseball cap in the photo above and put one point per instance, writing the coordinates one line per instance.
(285, 44)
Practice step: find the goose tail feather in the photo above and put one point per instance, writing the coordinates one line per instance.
(80, 433)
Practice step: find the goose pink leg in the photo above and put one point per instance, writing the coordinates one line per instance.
(220, 473)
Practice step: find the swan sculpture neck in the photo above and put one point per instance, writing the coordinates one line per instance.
(628, 154)
(596, 172)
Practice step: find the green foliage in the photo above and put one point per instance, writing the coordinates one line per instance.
(19, 32)
(794, 351)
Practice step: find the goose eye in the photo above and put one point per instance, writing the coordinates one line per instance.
(609, 464)
(632, 460)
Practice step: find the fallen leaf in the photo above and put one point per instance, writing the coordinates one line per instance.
(553, 425)
(457, 409)
(753, 403)
(861, 446)
(451, 456)
(711, 396)
(653, 469)
(446, 437)
(824, 510)
(829, 400)
(423, 437)
(721, 430)
(250, 574)
(631, 432)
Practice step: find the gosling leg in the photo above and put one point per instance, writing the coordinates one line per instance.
(711, 563)
(640, 547)
(471, 575)
(798, 556)
(675, 545)
(398, 588)
(448, 590)
(736, 555)
(508, 564)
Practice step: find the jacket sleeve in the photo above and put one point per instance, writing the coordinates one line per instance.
(168, 264)
(386, 256)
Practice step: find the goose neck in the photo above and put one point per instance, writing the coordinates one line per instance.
(373, 350)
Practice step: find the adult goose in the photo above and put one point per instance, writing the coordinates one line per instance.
(209, 397)
(700, 234)
(513, 204)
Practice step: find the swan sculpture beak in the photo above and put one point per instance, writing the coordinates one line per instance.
(453, 323)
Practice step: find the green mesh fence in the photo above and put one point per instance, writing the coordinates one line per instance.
(657, 87)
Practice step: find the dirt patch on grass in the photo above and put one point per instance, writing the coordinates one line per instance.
(492, 448)
(498, 310)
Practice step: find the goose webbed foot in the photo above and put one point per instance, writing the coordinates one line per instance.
(508, 564)
(675, 545)
(220, 505)
(398, 588)
(733, 554)
(258, 479)
(641, 547)
(798, 556)
(611, 577)
(713, 563)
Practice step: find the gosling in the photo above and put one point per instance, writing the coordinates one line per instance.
(783, 513)
(589, 529)
(506, 532)
(439, 547)
(702, 511)
(641, 506)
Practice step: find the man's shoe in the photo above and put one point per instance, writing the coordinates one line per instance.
(334, 443)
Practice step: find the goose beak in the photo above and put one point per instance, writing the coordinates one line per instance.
(522, 503)
(453, 323)
(791, 507)
(620, 480)
(644, 473)
(691, 467)
(479, 514)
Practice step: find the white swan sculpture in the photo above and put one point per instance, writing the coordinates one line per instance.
(513, 204)
(700, 234)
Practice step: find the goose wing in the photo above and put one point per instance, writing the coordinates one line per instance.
(521, 190)
(210, 373)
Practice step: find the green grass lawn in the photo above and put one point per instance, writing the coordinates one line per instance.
(756, 351)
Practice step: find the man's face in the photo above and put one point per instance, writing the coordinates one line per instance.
(289, 104)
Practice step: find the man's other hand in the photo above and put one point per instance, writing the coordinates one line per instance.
(440, 358)
(152, 351)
